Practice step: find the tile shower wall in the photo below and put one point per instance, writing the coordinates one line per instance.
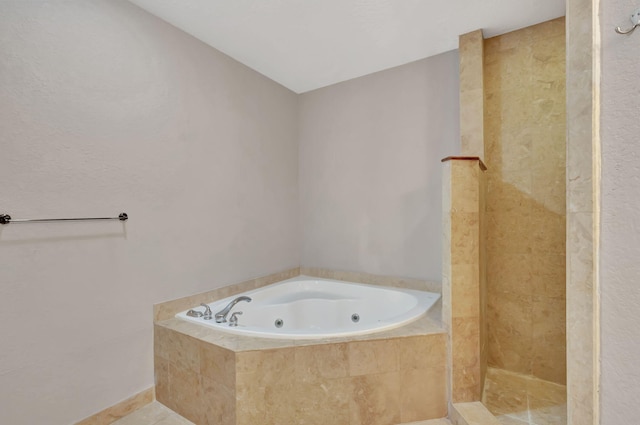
(461, 275)
(525, 155)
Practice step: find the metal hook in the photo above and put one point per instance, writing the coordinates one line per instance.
(635, 20)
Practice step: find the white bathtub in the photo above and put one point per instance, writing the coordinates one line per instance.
(308, 308)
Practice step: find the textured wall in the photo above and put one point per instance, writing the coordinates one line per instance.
(106, 109)
(620, 237)
(525, 155)
(370, 179)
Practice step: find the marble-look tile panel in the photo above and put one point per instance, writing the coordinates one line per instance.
(178, 348)
(526, 156)
(465, 236)
(371, 279)
(471, 123)
(161, 374)
(218, 402)
(320, 403)
(465, 294)
(217, 364)
(465, 341)
(512, 273)
(422, 352)
(375, 399)
(282, 401)
(466, 384)
(185, 393)
(465, 188)
(423, 394)
(367, 357)
(471, 47)
(319, 362)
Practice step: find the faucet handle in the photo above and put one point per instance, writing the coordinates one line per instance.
(233, 320)
(207, 312)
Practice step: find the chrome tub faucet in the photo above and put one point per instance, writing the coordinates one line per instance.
(221, 316)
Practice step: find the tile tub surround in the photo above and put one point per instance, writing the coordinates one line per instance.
(525, 151)
(373, 279)
(169, 309)
(210, 377)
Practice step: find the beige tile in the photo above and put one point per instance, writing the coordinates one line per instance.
(218, 403)
(423, 394)
(465, 290)
(473, 413)
(510, 420)
(441, 421)
(466, 385)
(161, 371)
(153, 414)
(217, 364)
(281, 402)
(121, 410)
(369, 357)
(319, 362)
(505, 393)
(510, 332)
(422, 352)
(465, 342)
(465, 186)
(549, 415)
(465, 234)
(525, 122)
(510, 273)
(471, 46)
(545, 401)
(375, 399)
(178, 348)
(372, 279)
(320, 403)
(267, 367)
(549, 275)
(250, 403)
(185, 393)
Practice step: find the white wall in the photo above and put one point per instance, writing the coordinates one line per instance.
(370, 173)
(104, 109)
(620, 233)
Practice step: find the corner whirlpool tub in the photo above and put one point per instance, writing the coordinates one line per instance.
(312, 308)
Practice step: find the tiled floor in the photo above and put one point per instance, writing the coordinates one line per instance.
(524, 400)
(157, 414)
(153, 414)
(430, 422)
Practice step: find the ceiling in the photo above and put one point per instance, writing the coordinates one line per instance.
(308, 44)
